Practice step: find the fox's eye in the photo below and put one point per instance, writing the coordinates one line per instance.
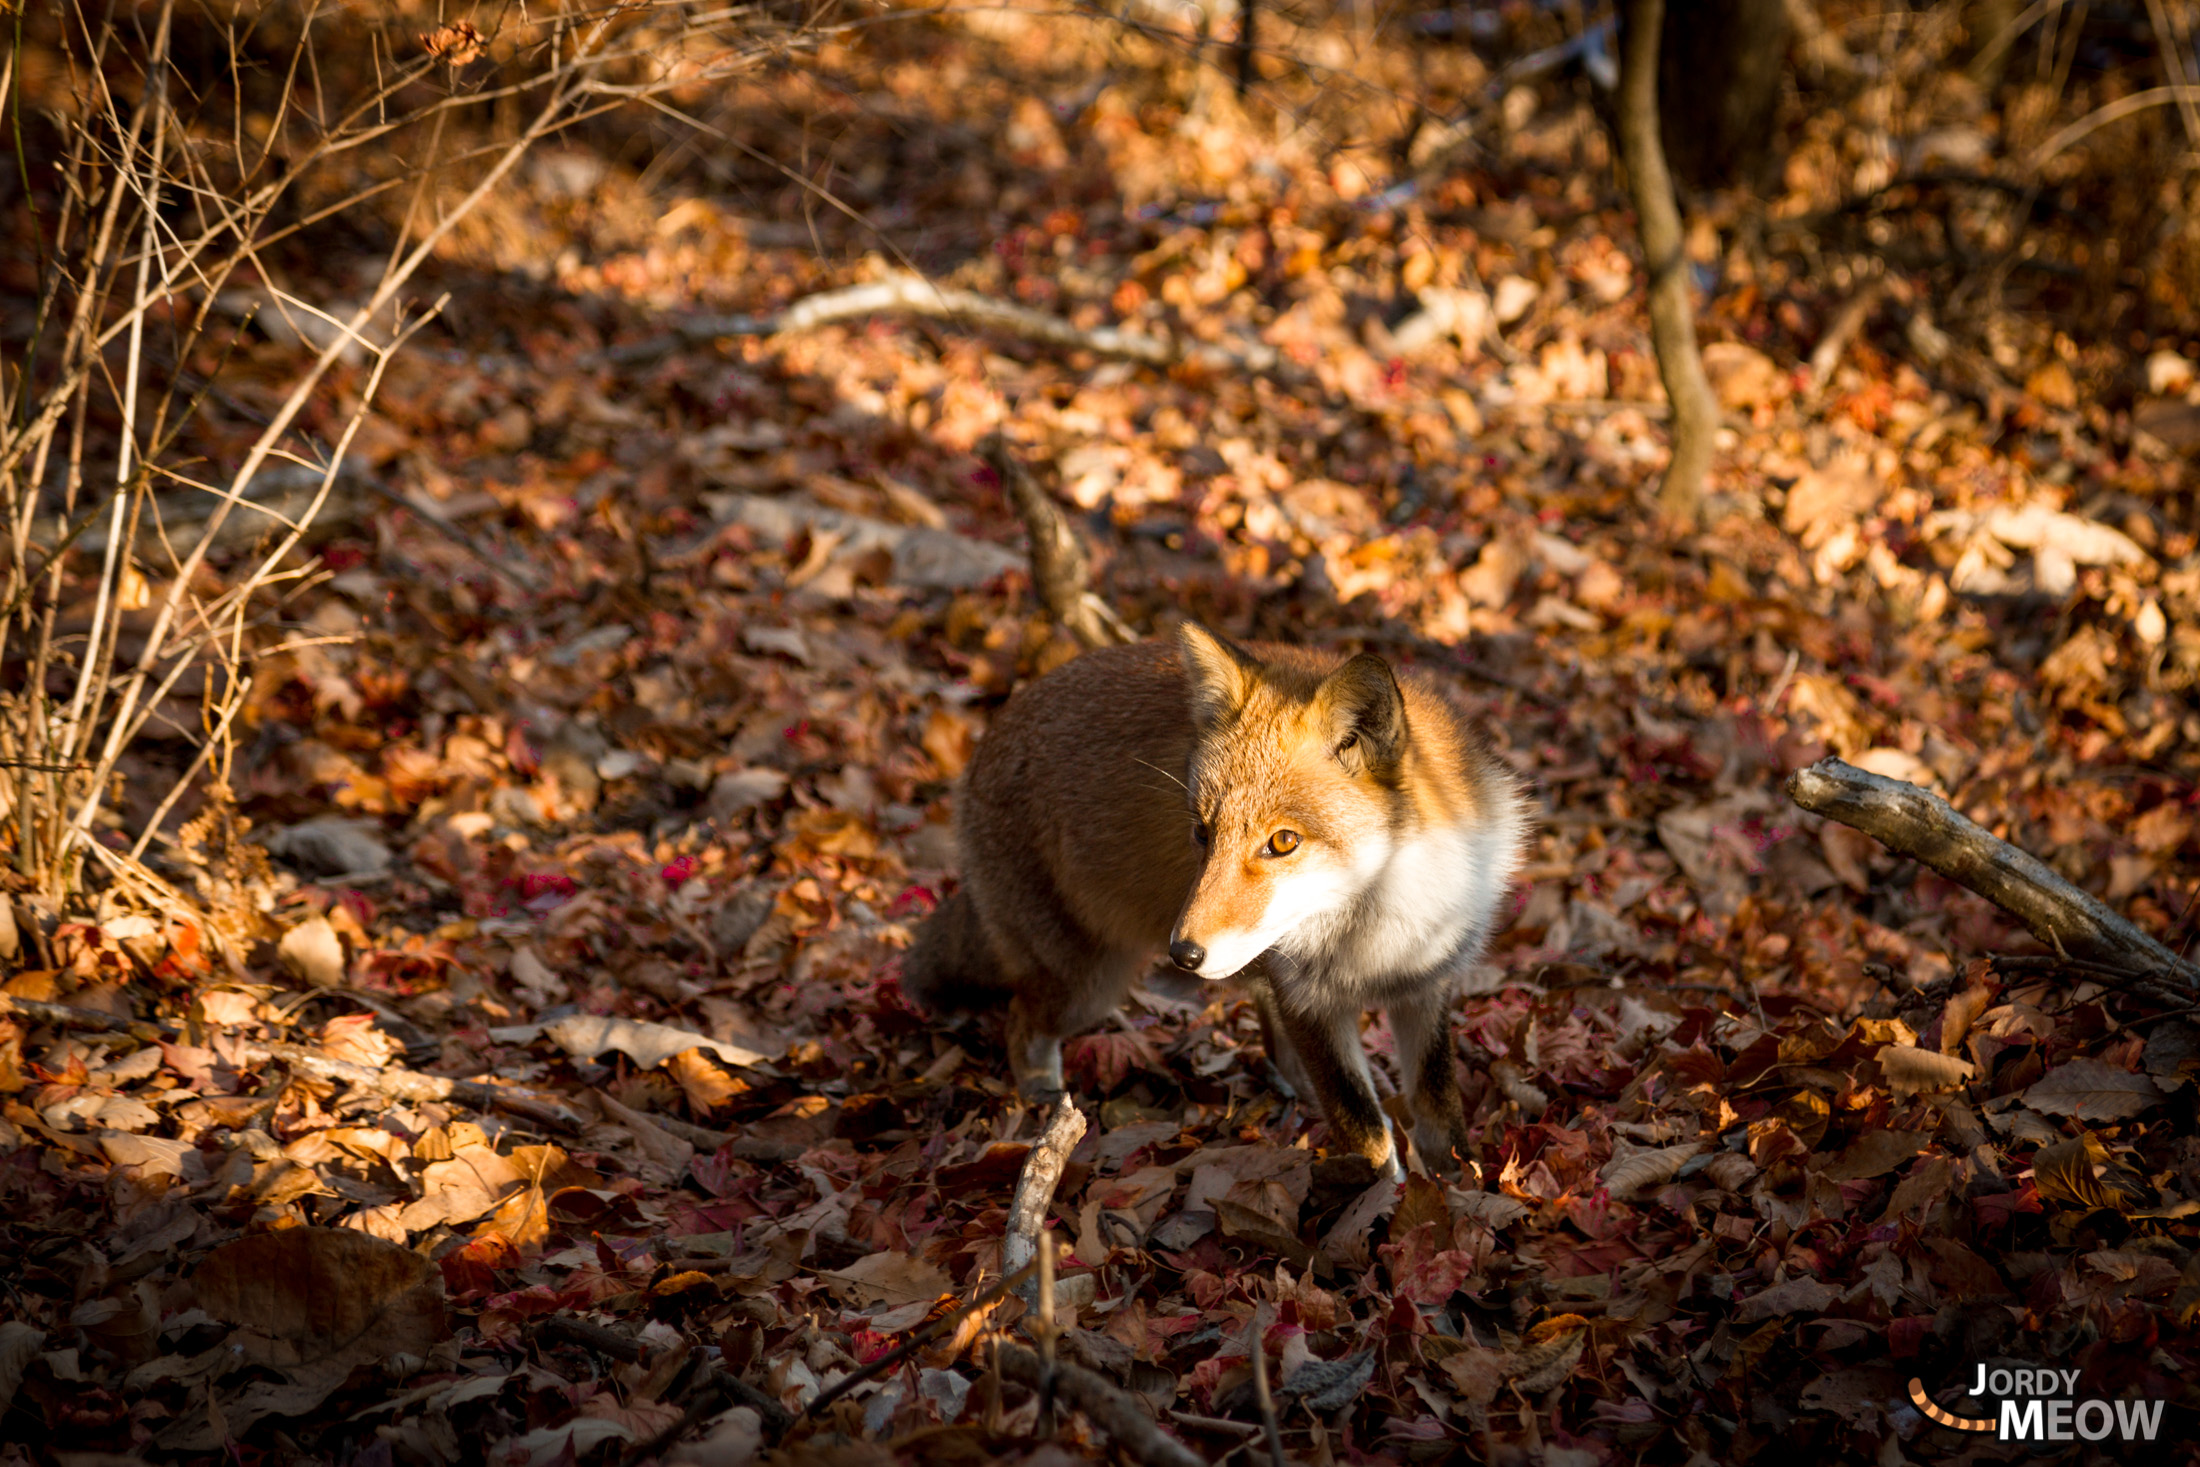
(1349, 740)
(1199, 835)
(1283, 843)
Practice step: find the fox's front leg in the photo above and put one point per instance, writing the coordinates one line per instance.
(1282, 1057)
(1334, 1063)
(1422, 1031)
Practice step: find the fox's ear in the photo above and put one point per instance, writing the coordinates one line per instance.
(1364, 716)
(1220, 675)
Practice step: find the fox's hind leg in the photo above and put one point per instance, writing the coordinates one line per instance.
(1421, 1025)
(1049, 1007)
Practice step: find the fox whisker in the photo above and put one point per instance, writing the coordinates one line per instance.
(1180, 784)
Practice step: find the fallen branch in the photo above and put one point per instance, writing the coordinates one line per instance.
(601, 1338)
(410, 1085)
(70, 1016)
(903, 294)
(1917, 823)
(1123, 1418)
(1042, 1173)
(1059, 566)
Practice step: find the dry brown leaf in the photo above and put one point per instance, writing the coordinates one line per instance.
(304, 1296)
(708, 1088)
(355, 1039)
(1876, 1153)
(2093, 1090)
(889, 1278)
(1910, 1070)
(313, 951)
(458, 43)
(587, 1035)
(1634, 1171)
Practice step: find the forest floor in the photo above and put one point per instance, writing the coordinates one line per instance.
(608, 756)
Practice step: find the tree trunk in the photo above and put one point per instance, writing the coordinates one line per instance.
(1672, 317)
(1720, 63)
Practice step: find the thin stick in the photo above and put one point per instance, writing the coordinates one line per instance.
(2171, 46)
(1221, 1424)
(1046, 1333)
(2101, 117)
(1261, 1394)
(915, 1342)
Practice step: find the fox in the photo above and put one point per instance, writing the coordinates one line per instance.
(1333, 832)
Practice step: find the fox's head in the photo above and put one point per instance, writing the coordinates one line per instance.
(1293, 792)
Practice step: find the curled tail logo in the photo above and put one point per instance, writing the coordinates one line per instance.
(2039, 1404)
(1924, 1403)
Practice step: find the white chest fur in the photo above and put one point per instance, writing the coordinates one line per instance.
(1424, 903)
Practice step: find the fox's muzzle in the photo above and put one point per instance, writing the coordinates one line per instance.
(1187, 954)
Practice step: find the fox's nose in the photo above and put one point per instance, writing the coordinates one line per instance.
(1187, 954)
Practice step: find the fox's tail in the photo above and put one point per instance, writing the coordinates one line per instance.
(950, 968)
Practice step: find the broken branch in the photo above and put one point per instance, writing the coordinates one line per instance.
(1123, 1418)
(1918, 823)
(1060, 567)
(1042, 1173)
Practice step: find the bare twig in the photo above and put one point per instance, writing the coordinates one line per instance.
(1059, 566)
(1257, 1332)
(2101, 117)
(1047, 1333)
(1917, 823)
(902, 294)
(2171, 45)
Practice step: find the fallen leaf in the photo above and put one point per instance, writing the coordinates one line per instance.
(2093, 1090)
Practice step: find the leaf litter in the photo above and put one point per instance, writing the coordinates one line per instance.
(559, 1092)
